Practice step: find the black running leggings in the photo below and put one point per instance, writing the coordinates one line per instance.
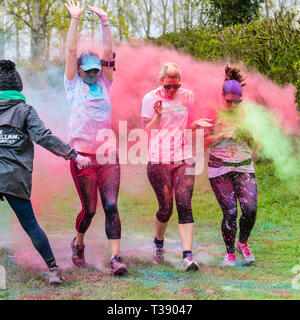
(166, 179)
(24, 212)
(228, 188)
(106, 179)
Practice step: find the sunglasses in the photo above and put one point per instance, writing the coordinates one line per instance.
(95, 71)
(233, 101)
(169, 86)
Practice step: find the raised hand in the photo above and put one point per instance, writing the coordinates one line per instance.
(75, 9)
(204, 123)
(100, 13)
(82, 162)
(158, 107)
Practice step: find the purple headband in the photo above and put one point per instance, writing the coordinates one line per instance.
(233, 87)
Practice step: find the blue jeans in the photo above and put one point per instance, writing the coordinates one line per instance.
(24, 212)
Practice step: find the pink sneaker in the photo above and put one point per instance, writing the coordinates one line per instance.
(229, 260)
(117, 267)
(157, 254)
(247, 256)
(78, 255)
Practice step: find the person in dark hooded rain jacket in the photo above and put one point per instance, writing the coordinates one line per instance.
(20, 126)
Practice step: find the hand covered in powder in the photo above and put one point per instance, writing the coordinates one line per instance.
(158, 107)
(82, 162)
(100, 13)
(75, 9)
(204, 123)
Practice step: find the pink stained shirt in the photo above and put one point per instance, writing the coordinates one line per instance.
(175, 118)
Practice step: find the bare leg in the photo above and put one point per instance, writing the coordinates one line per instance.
(160, 229)
(186, 234)
(115, 246)
(79, 239)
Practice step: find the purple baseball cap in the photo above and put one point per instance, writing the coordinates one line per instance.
(233, 87)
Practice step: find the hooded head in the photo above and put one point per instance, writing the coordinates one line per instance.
(9, 77)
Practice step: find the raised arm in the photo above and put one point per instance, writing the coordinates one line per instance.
(75, 10)
(107, 41)
(153, 123)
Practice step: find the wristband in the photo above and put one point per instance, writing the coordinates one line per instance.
(105, 24)
(74, 18)
(109, 63)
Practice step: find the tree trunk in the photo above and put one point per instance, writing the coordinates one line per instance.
(164, 4)
(38, 32)
(17, 43)
(2, 33)
(148, 11)
(267, 8)
(174, 16)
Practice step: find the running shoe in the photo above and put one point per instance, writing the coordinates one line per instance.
(78, 255)
(54, 275)
(157, 254)
(117, 267)
(229, 260)
(247, 256)
(189, 264)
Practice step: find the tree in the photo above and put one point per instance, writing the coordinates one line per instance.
(40, 16)
(148, 9)
(230, 12)
(2, 32)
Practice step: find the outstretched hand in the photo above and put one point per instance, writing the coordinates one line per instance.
(75, 9)
(204, 123)
(100, 13)
(82, 162)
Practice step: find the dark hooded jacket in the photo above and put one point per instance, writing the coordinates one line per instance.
(20, 125)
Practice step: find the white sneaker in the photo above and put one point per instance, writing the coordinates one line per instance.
(189, 264)
(247, 256)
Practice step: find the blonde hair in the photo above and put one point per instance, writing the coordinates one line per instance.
(164, 71)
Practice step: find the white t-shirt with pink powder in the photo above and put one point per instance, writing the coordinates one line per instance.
(90, 112)
(169, 143)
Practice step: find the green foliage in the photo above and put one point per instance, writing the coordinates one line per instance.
(272, 46)
(229, 12)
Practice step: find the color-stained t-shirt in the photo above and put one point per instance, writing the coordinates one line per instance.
(90, 112)
(229, 150)
(169, 143)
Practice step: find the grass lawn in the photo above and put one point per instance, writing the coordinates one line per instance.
(275, 241)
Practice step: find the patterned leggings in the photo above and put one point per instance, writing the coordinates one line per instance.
(166, 179)
(228, 188)
(106, 179)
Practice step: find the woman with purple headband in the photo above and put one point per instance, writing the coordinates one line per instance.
(231, 170)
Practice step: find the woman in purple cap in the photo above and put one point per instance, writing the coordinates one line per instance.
(88, 81)
(231, 170)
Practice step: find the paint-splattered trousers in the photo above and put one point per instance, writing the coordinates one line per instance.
(104, 178)
(229, 188)
(167, 179)
(24, 212)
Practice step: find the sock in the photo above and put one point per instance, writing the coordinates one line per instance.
(185, 253)
(116, 257)
(51, 263)
(158, 243)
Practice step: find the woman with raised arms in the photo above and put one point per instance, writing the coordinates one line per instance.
(88, 81)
